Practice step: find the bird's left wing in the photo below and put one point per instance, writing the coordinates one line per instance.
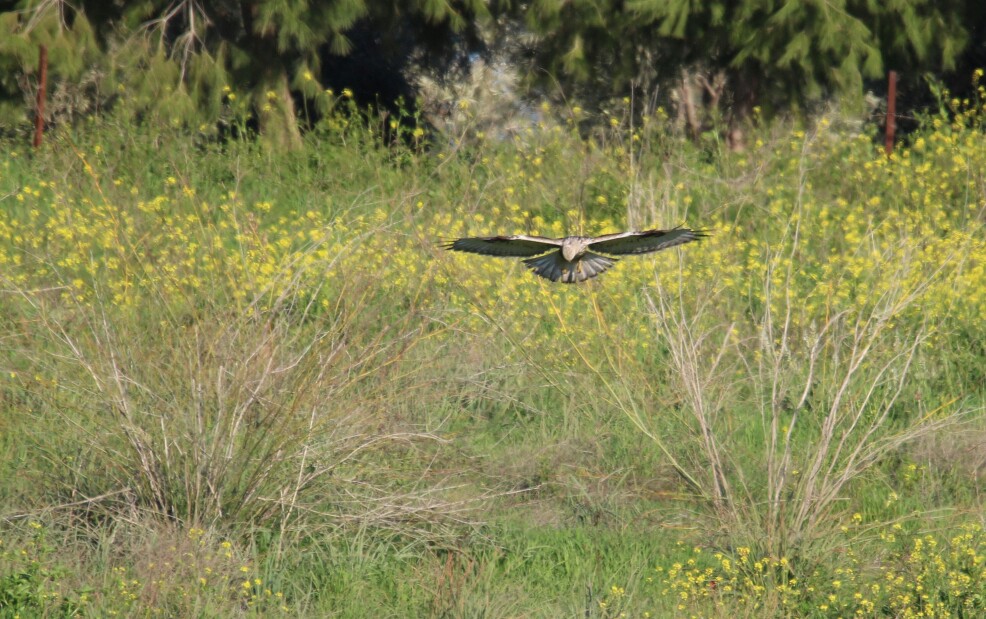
(645, 241)
(520, 245)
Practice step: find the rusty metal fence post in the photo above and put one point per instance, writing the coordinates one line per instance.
(891, 125)
(39, 107)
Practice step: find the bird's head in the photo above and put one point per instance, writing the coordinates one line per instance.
(573, 247)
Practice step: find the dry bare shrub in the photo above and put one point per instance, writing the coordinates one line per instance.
(274, 413)
(780, 414)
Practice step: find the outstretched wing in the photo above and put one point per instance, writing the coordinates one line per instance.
(554, 267)
(517, 245)
(644, 242)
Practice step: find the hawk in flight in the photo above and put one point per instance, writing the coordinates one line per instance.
(574, 258)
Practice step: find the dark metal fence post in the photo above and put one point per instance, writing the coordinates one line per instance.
(39, 108)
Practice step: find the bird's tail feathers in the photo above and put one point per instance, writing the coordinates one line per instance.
(553, 266)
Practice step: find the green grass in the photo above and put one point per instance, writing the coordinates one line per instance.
(222, 366)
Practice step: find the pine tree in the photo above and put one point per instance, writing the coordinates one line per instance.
(770, 53)
(266, 50)
(72, 54)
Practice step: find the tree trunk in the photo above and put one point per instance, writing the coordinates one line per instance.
(272, 94)
(693, 125)
(275, 110)
(744, 86)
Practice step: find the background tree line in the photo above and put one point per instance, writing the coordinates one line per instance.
(715, 62)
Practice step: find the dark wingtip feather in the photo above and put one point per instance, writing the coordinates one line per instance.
(451, 244)
(701, 233)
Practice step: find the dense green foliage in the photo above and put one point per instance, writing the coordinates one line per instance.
(238, 382)
(794, 49)
(170, 59)
(713, 60)
(722, 60)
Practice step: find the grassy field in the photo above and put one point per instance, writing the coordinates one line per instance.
(235, 383)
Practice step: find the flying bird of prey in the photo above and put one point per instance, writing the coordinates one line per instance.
(573, 258)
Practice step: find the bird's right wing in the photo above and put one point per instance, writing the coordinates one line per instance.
(644, 242)
(520, 245)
